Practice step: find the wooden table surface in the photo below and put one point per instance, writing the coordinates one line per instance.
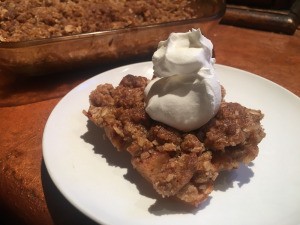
(28, 195)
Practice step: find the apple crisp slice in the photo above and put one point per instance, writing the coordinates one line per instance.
(176, 163)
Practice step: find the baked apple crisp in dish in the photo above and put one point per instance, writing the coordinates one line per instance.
(41, 37)
(177, 127)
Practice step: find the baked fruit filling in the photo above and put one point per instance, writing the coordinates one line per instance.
(176, 163)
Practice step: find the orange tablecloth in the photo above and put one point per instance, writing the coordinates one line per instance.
(27, 193)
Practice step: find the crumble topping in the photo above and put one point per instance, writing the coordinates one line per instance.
(36, 19)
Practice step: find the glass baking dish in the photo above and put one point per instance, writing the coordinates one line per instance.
(50, 55)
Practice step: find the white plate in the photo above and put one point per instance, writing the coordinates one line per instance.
(101, 183)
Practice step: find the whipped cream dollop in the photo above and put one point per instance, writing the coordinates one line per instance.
(186, 93)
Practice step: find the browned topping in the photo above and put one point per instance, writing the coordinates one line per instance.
(233, 125)
(35, 19)
(176, 163)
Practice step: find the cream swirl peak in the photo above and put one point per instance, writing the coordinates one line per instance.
(186, 93)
